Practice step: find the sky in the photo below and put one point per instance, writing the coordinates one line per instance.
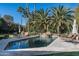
(11, 9)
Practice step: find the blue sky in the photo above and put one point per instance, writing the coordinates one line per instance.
(11, 8)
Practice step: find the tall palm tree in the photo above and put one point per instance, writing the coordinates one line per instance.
(30, 16)
(25, 13)
(20, 10)
(42, 19)
(62, 16)
(33, 22)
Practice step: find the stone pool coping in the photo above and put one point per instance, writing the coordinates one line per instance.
(4, 42)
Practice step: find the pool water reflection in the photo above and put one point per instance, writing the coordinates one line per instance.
(29, 43)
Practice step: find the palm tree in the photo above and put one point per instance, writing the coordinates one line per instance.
(62, 18)
(42, 19)
(20, 10)
(25, 13)
(30, 16)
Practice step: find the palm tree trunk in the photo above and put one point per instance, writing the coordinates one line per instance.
(28, 27)
(21, 23)
(58, 30)
(28, 16)
(34, 12)
(47, 28)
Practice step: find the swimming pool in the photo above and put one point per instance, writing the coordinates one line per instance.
(29, 43)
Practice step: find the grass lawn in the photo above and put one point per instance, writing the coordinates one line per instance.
(2, 36)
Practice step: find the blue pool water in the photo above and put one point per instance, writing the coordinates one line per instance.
(18, 44)
(29, 43)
